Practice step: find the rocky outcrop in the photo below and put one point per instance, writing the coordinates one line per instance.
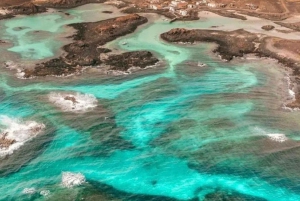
(66, 3)
(86, 50)
(72, 99)
(23, 9)
(240, 42)
(268, 27)
(27, 8)
(231, 44)
(293, 26)
(131, 59)
(6, 142)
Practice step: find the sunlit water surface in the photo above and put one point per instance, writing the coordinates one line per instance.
(179, 133)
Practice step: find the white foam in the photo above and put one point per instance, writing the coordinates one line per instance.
(17, 67)
(70, 179)
(73, 102)
(277, 137)
(4, 11)
(291, 93)
(45, 192)
(11, 65)
(18, 131)
(29, 191)
(290, 90)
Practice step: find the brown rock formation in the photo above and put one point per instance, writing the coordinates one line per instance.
(231, 44)
(72, 99)
(268, 27)
(4, 142)
(23, 9)
(85, 51)
(239, 42)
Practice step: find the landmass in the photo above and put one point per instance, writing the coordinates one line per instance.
(239, 43)
(294, 26)
(185, 10)
(27, 8)
(87, 50)
(268, 27)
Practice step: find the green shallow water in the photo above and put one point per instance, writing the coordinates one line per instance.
(182, 133)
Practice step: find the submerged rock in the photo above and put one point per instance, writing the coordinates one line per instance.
(127, 60)
(27, 8)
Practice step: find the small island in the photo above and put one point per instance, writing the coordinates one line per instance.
(87, 50)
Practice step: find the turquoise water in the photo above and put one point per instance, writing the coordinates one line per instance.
(179, 133)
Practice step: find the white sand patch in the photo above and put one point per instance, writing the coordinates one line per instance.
(70, 179)
(277, 137)
(16, 133)
(73, 102)
(252, 24)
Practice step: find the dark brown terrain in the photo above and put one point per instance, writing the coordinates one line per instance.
(26, 8)
(65, 3)
(240, 42)
(86, 51)
(293, 26)
(5, 3)
(268, 27)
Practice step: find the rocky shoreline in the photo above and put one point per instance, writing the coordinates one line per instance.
(22, 9)
(239, 43)
(66, 4)
(225, 13)
(87, 50)
(293, 26)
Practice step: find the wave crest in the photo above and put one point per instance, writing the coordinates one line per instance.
(73, 102)
(70, 179)
(16, 132)
(277, 137)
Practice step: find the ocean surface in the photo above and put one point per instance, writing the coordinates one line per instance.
(178, 132)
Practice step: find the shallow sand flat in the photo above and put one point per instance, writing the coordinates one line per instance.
(51, 35)
(252, 24)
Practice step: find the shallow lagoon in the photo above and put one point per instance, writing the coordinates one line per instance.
(183, 132)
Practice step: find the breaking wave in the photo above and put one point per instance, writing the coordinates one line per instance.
(73, 102)
(16, 132)
(278, 137)
(70, 179)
